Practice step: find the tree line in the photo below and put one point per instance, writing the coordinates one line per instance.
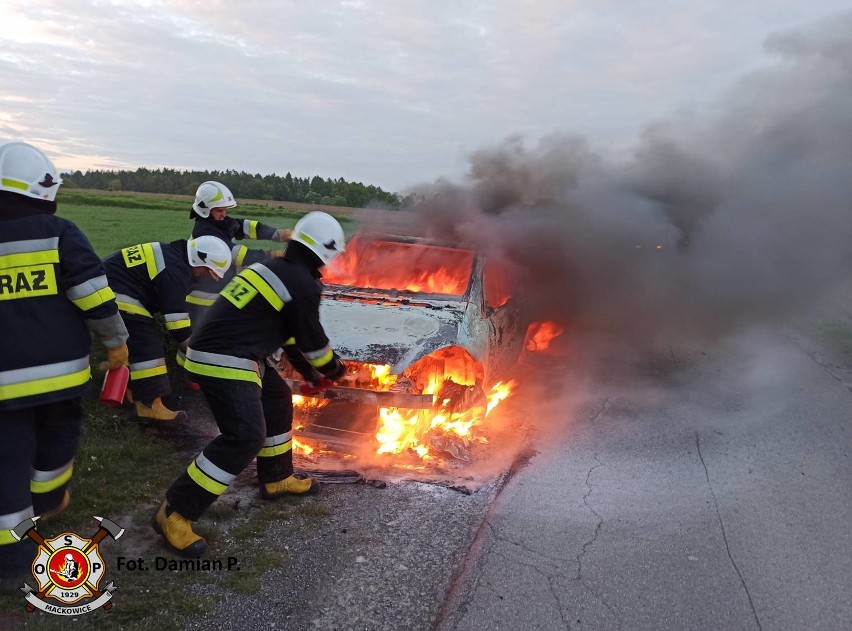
(287, 188)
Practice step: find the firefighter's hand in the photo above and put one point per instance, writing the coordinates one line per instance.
(314, 389)
(282, 234)
(276, 254)
(338, 371)
(115, 357)
(314, 378)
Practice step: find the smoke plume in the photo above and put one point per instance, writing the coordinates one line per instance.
(716, 222)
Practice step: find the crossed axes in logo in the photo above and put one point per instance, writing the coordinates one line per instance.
(27, 528)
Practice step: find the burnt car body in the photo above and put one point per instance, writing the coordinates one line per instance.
(436, 317)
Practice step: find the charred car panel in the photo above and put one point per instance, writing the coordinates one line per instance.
(418, 330)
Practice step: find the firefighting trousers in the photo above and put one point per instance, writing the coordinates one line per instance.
(254, 422)
(36, 462)
(148, 374)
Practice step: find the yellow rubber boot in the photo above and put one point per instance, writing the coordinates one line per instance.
(53, 512)
(289, 486)
(177, 531)
(158, 411)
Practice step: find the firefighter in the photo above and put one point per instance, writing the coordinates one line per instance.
(210, 212)
(262, 308)
(151, 278)
(53, 297)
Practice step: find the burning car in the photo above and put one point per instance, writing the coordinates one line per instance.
(430, 334)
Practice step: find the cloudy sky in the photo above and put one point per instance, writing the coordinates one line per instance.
(388, 92)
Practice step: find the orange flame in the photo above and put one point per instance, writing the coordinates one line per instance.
(403, 430)
(457, 413)
(541, 334)
(391, 265)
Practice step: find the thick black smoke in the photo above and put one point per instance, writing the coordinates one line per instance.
(716, 222)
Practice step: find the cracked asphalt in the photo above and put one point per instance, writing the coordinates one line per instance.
(715, 496)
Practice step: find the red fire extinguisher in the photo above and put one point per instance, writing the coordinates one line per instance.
(115, 383)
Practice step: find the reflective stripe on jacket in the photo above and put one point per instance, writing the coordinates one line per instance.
(53, 292)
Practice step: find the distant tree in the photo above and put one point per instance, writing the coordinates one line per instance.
(313, 190)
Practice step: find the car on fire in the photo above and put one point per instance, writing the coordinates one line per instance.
(424, 326)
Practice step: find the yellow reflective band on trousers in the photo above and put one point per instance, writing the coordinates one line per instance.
(145, 373)
(277, 450)
(11, 520)
(45, 486)
(204, 481)
(27, 382)
(235, 374)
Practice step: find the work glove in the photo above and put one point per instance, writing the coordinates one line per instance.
(282, 234)
(314, 389)
(115, 357)
(315, 384)
(337, 371)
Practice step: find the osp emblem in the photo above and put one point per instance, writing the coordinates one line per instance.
(68, 568)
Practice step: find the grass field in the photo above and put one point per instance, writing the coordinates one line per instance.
(122, 471)
(112, 222)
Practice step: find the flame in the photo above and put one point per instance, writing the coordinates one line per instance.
(308, 402)
(402, 430)
(541, 334)
(302, 448)
(460, 407)
(390, 265)
(450, 375)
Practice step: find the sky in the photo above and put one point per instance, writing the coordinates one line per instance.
(392, 93)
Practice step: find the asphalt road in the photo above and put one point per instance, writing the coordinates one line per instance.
(715, 495)
(709, 490)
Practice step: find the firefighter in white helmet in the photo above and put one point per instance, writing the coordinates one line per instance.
(151, 278)
(53, 297)
(210, 209)
(264, 307)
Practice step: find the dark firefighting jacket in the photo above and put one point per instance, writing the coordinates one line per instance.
(151, 278)
(261, 309)
(204, 290)
(232, 229)
(53, 296)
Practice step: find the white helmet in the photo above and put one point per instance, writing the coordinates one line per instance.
(212, 195)
(321, 234)
(209, 252)
(27, 171)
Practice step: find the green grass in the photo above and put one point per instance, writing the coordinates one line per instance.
(111, 228)
(122, 470)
